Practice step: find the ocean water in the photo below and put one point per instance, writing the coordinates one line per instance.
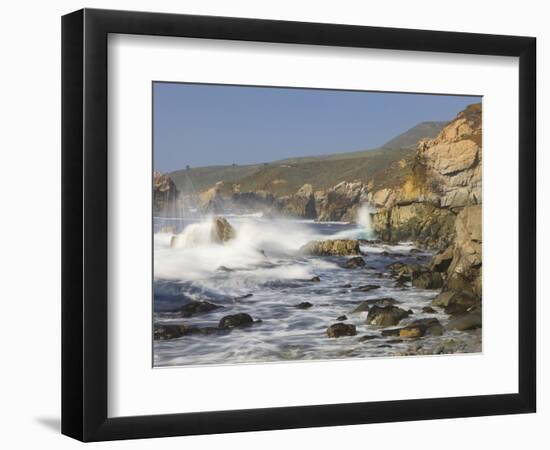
(262, 273)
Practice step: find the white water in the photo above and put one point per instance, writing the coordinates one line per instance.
(263, 260)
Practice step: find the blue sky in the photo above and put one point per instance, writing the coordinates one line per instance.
(204, 125)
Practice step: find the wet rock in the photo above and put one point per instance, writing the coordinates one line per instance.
(336, 247)
(303, 305)
(412, 331)
(366, 288)
(341, 329)
(315, 279)
(390, 332)
(225, 269)
(222, 231)
(235, 320)
(354, 263)
(363, 306)
(242, 297)
(367, 337)
(366, 304)
(346, 286)
(170, 331)
(428, 309)
(469, 321)
(427, 280)
(460, 303)
(341, 318)
(201, 307)
(385, 315)
(395, 341)
(442, 300)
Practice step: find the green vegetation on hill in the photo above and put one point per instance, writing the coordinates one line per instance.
(286, 176)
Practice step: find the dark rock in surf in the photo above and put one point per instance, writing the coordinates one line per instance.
(366, 304)
(341, 329)
(236, 320)
(428, 309)
(366, 288)
(367, 337)
(170, 331)
(354, 263)
(385, 315)
(303, 305)
(201, 307)
(341, 318)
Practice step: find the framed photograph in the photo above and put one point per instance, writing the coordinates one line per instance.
(273, 224)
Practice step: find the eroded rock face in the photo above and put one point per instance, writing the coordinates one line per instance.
(341, 202)
(335, 247)
(445, 178)
(301, 204)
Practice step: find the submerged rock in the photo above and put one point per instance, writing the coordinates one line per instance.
(386, 315)
(303, 305)
(170, 331)
(197, 308)
(354, 263)
(341, 329)
(367, 337)
(333, 247)
(236, 320)
(366, 288)
(341, 318)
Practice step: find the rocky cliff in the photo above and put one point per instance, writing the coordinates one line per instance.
(445, 178)
(439, 206)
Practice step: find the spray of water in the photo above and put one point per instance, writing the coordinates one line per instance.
(364, 220)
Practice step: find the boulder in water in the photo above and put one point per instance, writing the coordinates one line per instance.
(354, 263)
(236, 320)
(193, 308)
(222, 231)
(386, 315)
(341, 329)
(334, 247)
(170, 331)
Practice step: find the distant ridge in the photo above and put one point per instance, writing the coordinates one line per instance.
(409, 138)
(286, 176)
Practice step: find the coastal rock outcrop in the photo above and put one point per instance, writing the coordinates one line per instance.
(445, 178)
(341, 202)
(332, 247)
(165, 195)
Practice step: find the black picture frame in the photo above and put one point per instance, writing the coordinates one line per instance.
(84, 224)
